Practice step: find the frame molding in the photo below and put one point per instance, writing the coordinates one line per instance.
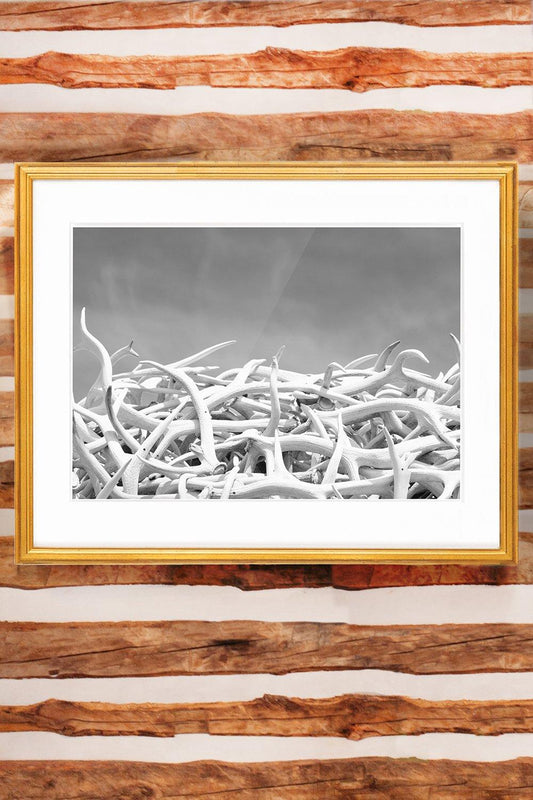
(504, 172)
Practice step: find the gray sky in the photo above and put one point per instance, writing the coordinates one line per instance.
(328, 294)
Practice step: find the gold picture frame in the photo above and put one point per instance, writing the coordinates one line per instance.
(26, 176)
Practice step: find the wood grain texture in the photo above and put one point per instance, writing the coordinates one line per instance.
(74, 15)
(348, 716)
(7, 419)
(7, 263)
(340, 779)
(127, 649)
(7, 200)
(354, 135)
(525, 204)
(525, 418)
(7, 487)
(251, 577)
(356, 69)
(525, 262)
(525, 341)
(7, 346)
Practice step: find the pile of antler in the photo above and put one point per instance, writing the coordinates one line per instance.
(366, 430)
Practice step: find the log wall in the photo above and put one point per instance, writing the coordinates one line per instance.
(258, 682)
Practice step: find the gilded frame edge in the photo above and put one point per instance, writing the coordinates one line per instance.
(507, 175)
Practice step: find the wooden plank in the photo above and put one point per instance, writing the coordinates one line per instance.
(74, 15)
(353, 135)
(127, 649)
(7, 488)
(7, 201)
(525, 260)
(525, 341)
(349, 716)
(356, 69)
(525, 406)
(339, 779)
(525, 204)
(525, 477)
(7, 419)
(7, 347)
(525, 494)
(6, 265)
(250, 577)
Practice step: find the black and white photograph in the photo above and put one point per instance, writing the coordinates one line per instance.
(266, 363)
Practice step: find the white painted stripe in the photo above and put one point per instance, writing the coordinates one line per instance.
(195, 99)
(7, 231)
(7, 384)
(7, 453)
(242, 749)
(525, 301)
(7, 306)
(204, 41)
(525, 375)
(7, 522)
(7, 172)
(525, 172)
(176, 689)
(525, 517)
(431, 605)
(525, 440)
(230, 688)
(525, 233)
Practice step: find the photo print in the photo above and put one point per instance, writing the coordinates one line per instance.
(266, 363)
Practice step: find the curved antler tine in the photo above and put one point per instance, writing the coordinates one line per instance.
(275, 410)
(381, 361)
(357, 362)
(336, 456)
(328, 374)
(185, 362)
(458, 346)
(97, 348)
(401, 358)
(280, 353)
(401, 474)
(122, 352)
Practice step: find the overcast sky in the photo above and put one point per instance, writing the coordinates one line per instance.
(328, 294)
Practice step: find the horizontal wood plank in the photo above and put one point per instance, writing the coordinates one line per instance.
(7, 419)
(7, 200)
(356, 69)
(251, 577)
(525, 341)
(525, 260)
(75, 15)
(340, 779)
(353, 135)
(7, 347)
(127, 649)
(7, 261)
(525, 204)
(348, 716)
(525, 407)
(7, 488)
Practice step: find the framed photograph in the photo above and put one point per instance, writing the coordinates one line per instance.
(284, 363)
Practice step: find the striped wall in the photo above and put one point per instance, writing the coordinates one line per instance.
(256, 682)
